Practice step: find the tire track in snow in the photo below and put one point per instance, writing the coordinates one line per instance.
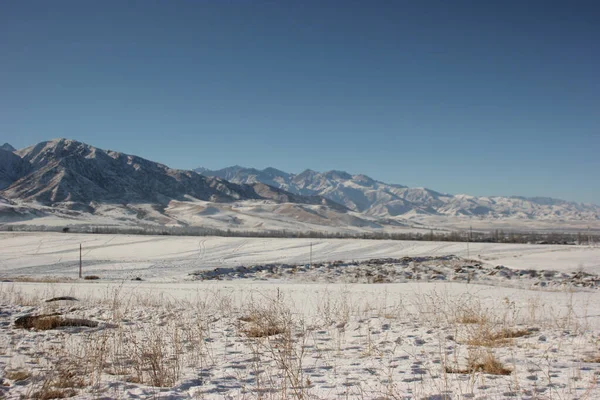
(202, 246)
(37, 250)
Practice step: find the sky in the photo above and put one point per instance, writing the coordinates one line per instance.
(477, 97)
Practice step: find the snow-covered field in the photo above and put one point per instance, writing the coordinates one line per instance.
(168, 258)
(465, 329)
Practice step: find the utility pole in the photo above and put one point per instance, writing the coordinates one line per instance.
(79, 260)
(310, 257)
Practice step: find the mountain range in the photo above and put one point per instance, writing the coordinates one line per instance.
(375, 198)
(64, 181)
(68, 179)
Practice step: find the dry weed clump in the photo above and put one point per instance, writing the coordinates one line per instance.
(261, 330)
(511, 334)
(593, 359)
(17, 375)
(262, 324)
(152, 355)
(443, 307)
(276, 337)
(267, 318)
(486, 336)
(47, 393)
(483, 362)
(51, 321)
(60, 383)
(335, 309)
(471, 316)
(487, 329)
(38, 322)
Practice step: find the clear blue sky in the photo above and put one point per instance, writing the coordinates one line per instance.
(479, 97)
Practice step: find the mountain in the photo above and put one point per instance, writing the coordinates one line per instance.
(63, 181)
(7, 147)
(12, 167)
(268, 176)
(69, 177)
(66, 171)
(368, 196)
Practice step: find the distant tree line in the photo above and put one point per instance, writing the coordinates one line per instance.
(495, 236)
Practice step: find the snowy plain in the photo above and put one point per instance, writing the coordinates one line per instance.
(168, 258)
(282, 336)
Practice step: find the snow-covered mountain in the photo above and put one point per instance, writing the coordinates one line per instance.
(375, 198)
(65, 182)
(61, 175)
(12, 167)
(66, 171)
(7, 147)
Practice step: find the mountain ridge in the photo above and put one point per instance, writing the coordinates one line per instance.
(67, 174)
(364, 194)
(7, 147)
(65, 181)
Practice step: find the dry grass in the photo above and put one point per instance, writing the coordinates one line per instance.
(262, 323)
(593, 359)
(152, 356)
(247, 318)
(260, 331)
(52, 393)
(276, 335)
(471, 316)
(66, 377)
(17, 375)
(483, 362)
(39, 279)
(61, 381)
(52, 321)
(266, 318)
(511, 334)
(157, 346)
(489, 328)
(486, 336)
(39, 322)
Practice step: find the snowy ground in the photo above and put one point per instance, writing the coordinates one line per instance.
(168, 258)
(310, 334)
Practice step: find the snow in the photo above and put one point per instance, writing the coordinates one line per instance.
(173, 258)
(364, 194)
(171, 337)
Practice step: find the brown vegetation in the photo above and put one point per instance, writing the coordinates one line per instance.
(17, 375)
(51, 321)
(485, 362)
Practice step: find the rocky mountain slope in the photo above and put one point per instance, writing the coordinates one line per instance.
(69, 175)
(371, 197)
(12, 167)
(7, 147)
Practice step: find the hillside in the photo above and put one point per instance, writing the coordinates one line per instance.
(383, 200)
